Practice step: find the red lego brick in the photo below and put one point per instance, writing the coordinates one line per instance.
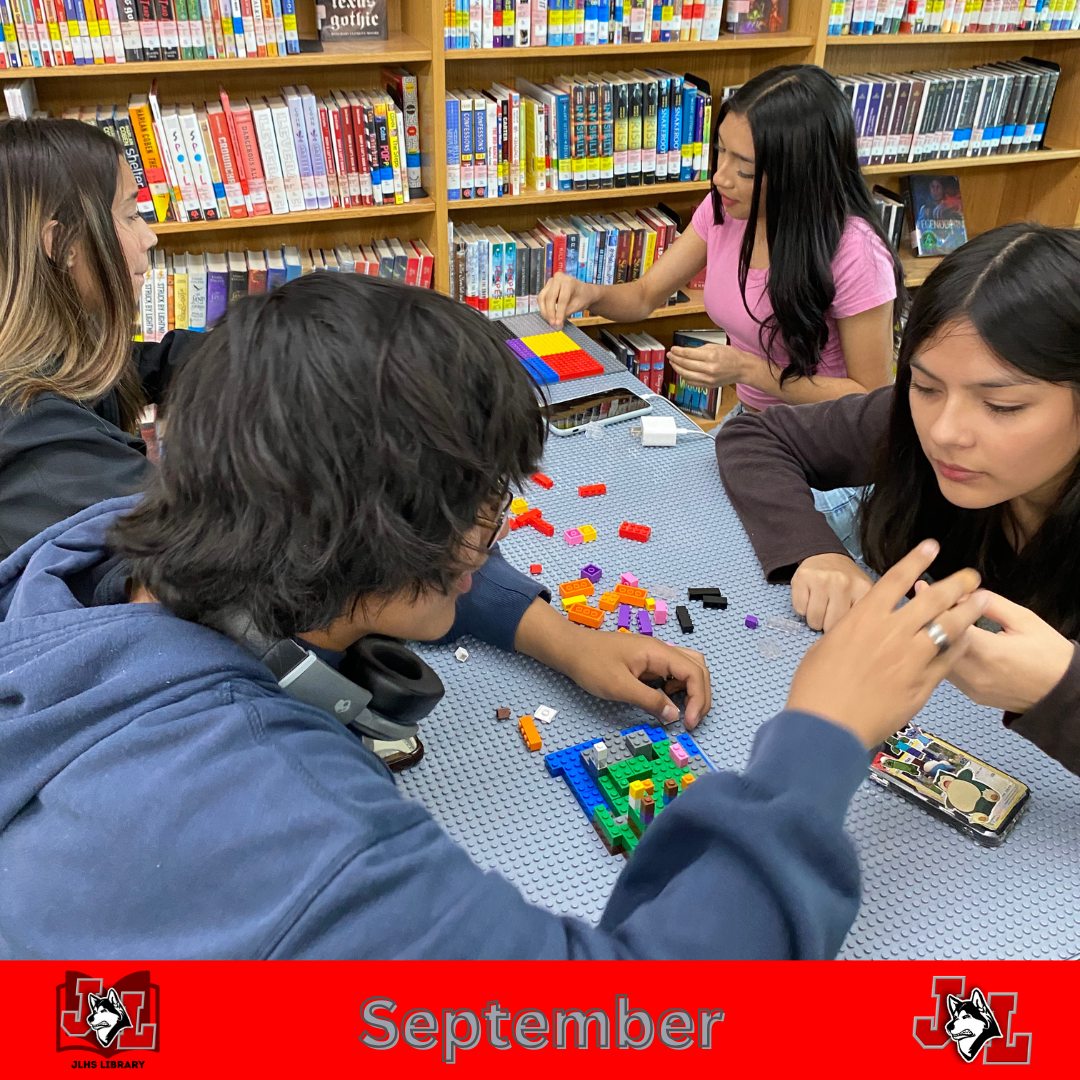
(588, 490)
(574, 365)
(535, 568)
(530, 517)
(544, 527)
(629, 531)
(542, 480)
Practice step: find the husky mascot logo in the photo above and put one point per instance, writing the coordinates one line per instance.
(106, 1015)
(971, 1024)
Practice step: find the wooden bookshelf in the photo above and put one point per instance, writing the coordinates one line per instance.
(1043, 186)
(696, 306)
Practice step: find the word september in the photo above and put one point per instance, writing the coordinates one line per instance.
(462, 1029)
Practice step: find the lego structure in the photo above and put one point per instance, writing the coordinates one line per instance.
(623, 784)
(554, 357)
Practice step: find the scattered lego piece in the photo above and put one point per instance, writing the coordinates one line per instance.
(535, 568)
(532, 736)
(544, 527)
(608, 602)
(571, 601)
(700, 594)
(660, 613)
(751, 622)
(679, 757)
(644, 623)
(581, 587)
(461, 654)
(629, 579)
(629, 531)
(627, 594)
(783, 624)
(665, 592)
(588, 533)
(545, 713)
(592, 572)
(518, 506)
(502, 714)
(650, 604)
(587, 616)
(623, 630)
(686, 781)
(573, 536)
(530, 517)
(624, 617)
(542, 480)
(770, 648)
(714, 601)
(686, 624)
(588, 490)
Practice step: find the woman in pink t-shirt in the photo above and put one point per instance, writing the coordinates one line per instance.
(807, 294)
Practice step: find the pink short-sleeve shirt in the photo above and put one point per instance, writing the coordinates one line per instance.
(862, 272)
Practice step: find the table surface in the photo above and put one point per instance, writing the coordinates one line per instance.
(928, 891)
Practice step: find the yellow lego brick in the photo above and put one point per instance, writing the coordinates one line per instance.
(650, 604)
(550, 344)
(623, 630)
(519, 506)
(608, 602)
(637, 789)
(587, 533)
(569, 601)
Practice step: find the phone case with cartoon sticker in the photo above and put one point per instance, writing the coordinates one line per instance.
(972, 796)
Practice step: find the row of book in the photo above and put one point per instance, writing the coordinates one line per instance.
(275, 155)
(999, 108)
(646, 358)
(58, 33)
(577, 132)
(862, 17)
(508, 24)
(191, 291)
(502, 273)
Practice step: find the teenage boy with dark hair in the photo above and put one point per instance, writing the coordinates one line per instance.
(338, 454)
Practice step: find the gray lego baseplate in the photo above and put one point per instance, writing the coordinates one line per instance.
(928, 891)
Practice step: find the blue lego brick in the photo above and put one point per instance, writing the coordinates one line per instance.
(539, 370)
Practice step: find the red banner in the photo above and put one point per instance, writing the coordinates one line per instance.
(207, 1020)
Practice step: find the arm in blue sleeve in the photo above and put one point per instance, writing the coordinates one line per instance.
(493, 607)
(739, 867)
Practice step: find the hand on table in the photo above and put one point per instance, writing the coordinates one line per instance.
(562, 297)
(825, 587)
(876, 668)
(709, 365)
(1013, 669)
(611, 665)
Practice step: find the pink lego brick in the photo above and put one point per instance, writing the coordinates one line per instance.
(660, 613)
(573, 536)
(629, 579)
(678, 755)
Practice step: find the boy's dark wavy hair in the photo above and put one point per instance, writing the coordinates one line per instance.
(330, 441)
(805, 146)
(1019, 286)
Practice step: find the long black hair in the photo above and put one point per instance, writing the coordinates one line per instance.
(331, 440)
(1019, 286)
(805, 145)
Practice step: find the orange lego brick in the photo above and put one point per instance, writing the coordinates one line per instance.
(529, 733)
(581, 587)
(624, 630)
(627, 594)
(587, 616)
(608, 602)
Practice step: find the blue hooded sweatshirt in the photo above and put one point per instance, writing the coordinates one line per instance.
(162, 798)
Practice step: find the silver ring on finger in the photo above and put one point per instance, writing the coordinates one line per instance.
(938, 636)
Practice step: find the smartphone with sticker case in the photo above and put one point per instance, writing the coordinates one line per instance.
(982, 802)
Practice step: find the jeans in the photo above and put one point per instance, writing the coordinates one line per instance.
(839, 506)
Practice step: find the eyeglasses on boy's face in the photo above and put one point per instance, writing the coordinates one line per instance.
(497, 523)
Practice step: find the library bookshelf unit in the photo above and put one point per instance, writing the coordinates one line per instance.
(1042, 185)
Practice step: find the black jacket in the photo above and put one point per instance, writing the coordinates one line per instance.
(58, 457)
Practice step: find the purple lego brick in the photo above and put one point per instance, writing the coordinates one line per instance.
(624, 616)
(592, 572)
(644, 623)
(520, 349)
(751, 622)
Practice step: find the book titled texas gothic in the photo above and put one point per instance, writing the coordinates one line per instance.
(352, 20)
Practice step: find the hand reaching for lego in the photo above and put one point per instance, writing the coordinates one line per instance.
(613, 666)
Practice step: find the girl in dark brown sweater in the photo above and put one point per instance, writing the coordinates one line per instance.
(976, 445)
